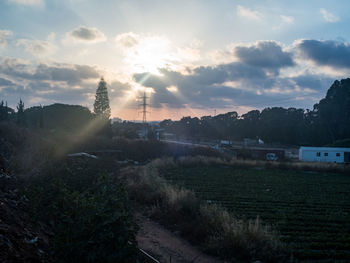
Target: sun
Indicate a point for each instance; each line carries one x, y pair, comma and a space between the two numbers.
150, 55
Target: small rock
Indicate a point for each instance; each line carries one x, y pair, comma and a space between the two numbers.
32, 241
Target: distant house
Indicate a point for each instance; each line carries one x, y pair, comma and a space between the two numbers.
324, 154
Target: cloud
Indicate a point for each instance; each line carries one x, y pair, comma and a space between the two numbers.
328, 16
47, 83
248, 13
37, 47
127, 40
172, 88
149, 53
27, 2
5, 82
71, 74
287, 19
86, 35
231, 85
266, 54
4, 35
325, 53
67, 73
317, 83
118, 89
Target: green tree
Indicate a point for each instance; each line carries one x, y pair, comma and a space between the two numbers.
101, 105
3, 111
333, 113
21, 120
41, 117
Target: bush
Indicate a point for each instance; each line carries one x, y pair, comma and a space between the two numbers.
92, 224
248, 241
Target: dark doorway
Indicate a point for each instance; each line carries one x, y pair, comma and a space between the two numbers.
346, 157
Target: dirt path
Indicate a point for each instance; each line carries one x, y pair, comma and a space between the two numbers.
167, 247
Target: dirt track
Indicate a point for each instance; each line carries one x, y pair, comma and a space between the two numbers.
167, 247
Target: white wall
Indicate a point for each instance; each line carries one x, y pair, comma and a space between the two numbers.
309, 154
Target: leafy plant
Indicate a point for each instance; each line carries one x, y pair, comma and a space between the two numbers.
92, 223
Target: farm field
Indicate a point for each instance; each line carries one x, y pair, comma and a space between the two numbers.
310, 210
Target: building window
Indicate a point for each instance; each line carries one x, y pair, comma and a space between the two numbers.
337, 154
325, 154
318, 154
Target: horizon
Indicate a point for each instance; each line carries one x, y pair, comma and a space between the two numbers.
192, 58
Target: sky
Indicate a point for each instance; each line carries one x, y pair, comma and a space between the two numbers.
192, 58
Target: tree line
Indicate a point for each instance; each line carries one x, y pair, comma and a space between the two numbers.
70, 118
328, 123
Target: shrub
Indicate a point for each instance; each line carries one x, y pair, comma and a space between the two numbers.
92, 224
248, 241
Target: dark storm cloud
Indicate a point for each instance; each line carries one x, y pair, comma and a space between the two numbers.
326, 53
266, 54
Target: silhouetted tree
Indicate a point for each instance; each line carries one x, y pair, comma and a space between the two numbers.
102, 109
3, 111
333, 112
41, 118
21, 120
101, 105
63, 117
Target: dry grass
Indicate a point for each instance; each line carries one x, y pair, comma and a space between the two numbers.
199, 160
207, 225
246, 240
240, 163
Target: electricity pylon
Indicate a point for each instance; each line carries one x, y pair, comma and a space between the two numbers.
144, 113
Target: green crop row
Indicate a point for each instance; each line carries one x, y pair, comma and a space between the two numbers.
311, 210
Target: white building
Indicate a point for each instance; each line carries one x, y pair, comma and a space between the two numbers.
324, 154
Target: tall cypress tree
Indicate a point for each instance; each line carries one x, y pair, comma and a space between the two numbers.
101, 105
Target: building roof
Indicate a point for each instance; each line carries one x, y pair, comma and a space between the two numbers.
329, 149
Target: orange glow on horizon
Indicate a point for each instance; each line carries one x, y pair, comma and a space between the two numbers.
159, 114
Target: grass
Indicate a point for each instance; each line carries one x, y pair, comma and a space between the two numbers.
249, 163
311, 209
207, 225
